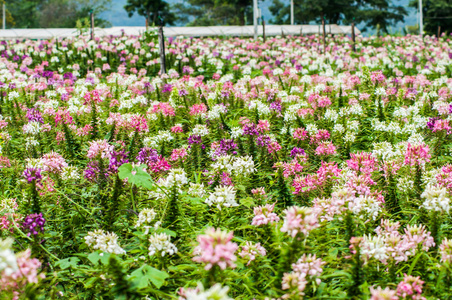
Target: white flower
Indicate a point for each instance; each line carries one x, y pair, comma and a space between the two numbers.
365, 206
436, 199
222, 196
146, 216
8, 262
200, 130
243, 166
236, 132
161, 244
104, 241
70, 172
216, 292
374, 247
196, 190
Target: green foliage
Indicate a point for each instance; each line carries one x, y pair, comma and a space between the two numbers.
435, 13
155, 11
372, 13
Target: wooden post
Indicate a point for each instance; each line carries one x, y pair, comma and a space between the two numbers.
263, 28
92, 25
147, 24
353, 37
162, 50
324, 37
439, 31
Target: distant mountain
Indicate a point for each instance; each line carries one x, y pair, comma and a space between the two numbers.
118, 16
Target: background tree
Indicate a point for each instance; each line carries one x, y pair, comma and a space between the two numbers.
370, 12
215, 12
9, 18
65, 13
25, 12
436, 13
151, 10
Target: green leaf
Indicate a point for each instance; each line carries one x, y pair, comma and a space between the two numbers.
94, 258
68, 262
248, 202
135, 175
146, 274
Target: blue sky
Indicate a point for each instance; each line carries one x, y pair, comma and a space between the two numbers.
118, 16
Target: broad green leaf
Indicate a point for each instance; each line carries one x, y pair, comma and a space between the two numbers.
135, 175
146, 274
68, 262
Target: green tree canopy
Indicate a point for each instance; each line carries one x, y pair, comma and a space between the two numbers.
151, 10
55, 13
436, 13
215, 12
372, 13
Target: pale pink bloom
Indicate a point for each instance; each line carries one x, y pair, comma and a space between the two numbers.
100, 149
28, 272
310, 266
215, 248
264, 215
445, 249
177, 128
53, 162
382, 294
198, 109
362, 162
299, 220
250, 250
296, 284
164, 108
179, 153
260, 191
441, 125
418, 235
326, 148
273, 147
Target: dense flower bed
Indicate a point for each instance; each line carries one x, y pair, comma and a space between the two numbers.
251, 170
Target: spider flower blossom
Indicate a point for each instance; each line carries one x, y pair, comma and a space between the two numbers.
382, 294
250, 250
264, 215
299, 220
160, 244
417, 154
100, 149
222, 196
436, 199
216, 292
410, 288
215, 248
445, 249
104, 241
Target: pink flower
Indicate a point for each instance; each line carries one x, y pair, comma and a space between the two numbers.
53, 162
215, 248
445, 249
177, 128
299, 220
179, 153
250, 250
198, 109
417, 154
362, 162
325, 148
264, 215
27, 272
300, 134
410, 288
100, 149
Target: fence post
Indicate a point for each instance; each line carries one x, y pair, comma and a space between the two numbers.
4, 15
353, 37
263, 28
324, 37
439, 31
92, 25
162, 49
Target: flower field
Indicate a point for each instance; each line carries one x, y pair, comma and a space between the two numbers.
251, 170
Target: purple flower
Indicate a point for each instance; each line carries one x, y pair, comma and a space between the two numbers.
250, 129
33, 224
225, 146
183, 93
276, 106
68, 75
147, 156
263, 140
194, 139
431, 121
47, 74
32, 174
167, 88
296, 151
118, 158
92, 170
34, 115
